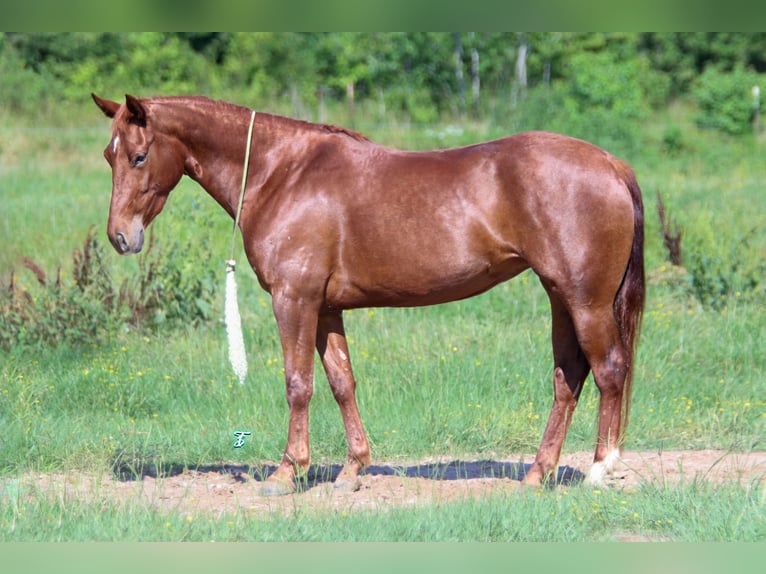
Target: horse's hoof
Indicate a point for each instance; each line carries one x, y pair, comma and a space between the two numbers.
532, 481
276, 488
347, 484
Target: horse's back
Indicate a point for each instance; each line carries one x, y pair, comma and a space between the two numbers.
429, 227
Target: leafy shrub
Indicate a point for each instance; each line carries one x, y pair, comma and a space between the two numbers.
715, 278
725, 100
144, 62
722, 268
169, 291
605, 99
57, 311
21, 89
171, 288
716, 267
602, 100
672, 141
415, 104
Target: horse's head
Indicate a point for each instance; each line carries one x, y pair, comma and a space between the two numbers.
146, 166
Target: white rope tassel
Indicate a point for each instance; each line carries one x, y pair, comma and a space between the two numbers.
237, 355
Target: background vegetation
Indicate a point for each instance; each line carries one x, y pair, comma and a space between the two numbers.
111, 363
415, 76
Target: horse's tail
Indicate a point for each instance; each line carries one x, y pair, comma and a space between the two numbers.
630, 299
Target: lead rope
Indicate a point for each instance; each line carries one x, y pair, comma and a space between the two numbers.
237, 355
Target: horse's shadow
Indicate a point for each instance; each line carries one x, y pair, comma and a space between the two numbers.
323, 473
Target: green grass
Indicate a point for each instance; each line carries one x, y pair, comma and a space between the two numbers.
466, 379
692, 512
424, 388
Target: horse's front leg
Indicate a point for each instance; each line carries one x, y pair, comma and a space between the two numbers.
297, 322
333, 349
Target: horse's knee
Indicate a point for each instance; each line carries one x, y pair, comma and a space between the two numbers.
299, 390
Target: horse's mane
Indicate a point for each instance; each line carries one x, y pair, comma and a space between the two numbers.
322, 128
329, 128
203, 101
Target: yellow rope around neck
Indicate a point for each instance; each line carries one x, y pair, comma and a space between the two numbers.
237, 355
242, 191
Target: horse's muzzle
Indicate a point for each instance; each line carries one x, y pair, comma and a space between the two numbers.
125, 246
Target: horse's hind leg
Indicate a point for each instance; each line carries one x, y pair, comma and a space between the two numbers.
333, 349
599, 336
569, 373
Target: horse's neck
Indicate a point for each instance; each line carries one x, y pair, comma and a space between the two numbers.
216, 137
275, 141
215, 141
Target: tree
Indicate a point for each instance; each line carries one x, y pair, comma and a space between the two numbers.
273, 64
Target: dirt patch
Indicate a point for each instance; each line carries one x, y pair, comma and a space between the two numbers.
226, 488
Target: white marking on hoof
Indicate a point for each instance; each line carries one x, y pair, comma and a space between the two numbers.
596, 474
611, 459
599, 470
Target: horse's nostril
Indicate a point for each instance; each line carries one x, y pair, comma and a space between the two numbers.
122, 242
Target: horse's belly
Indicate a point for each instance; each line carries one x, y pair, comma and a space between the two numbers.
411, 286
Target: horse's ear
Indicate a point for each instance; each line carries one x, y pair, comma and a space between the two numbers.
136, 109
107, 106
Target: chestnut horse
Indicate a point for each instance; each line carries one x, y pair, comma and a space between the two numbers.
333, 221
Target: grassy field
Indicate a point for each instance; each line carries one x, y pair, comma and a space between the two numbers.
695, 512
465, 379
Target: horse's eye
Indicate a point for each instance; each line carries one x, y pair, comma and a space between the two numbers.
138, 159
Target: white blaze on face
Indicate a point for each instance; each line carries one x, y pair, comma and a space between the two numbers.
115, 142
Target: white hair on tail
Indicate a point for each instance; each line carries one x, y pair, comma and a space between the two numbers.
237, 355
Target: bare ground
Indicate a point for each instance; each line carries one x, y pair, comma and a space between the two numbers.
223, 488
